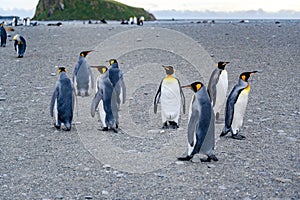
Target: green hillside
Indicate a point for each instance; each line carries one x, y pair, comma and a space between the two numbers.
87, 10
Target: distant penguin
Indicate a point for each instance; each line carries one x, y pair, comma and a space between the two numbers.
20, 45
236, 105
82, 76
105, 93
217, 87
201, 125
3, 35
62, 101
171, 97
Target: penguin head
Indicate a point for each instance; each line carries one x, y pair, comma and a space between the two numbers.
16, 37
84, 53
196, 86
101, 69
61, 69
112, 61
221, 65
169, 69
246, 75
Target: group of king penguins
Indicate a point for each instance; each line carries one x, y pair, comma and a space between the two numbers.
205, 107
109, 87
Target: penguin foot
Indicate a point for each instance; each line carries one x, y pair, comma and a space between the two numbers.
104, 129
165, 125
117, 125
209, 158
187, 158
238, 137
19, 56
114, 130
174, 125
223, 134
57, 126
67, 129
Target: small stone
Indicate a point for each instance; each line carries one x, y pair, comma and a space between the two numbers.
291, 139
283, 180
88, 197
120, 175
53, 74
18, 121
222, 187
280, 131
179, 162
104, 192
106, 166
2, 98
86, 169
59, 196
250, 120
139, 39
211, 166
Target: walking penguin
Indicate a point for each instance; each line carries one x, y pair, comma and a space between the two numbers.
201, 125
105, 93
62, 101
217, 87
171, 97
236, 105
82, 76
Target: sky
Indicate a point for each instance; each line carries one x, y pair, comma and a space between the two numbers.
13, 6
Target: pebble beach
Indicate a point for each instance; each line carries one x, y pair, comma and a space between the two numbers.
39, 162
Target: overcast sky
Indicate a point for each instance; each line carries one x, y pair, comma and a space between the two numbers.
193, 5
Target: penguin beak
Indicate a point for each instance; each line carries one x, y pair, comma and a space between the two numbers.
186, 86
226, 63
253, 73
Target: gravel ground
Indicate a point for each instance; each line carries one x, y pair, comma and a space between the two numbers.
39, 162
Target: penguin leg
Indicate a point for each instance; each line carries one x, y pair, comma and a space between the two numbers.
104, 129
187, 158
57, 124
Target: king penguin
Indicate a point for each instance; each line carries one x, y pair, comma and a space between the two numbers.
99, 84
82, 76
116, 78
217, 87
236, 106
105, 93
3, 35
20, 45
201, 125
171, 97
62, 101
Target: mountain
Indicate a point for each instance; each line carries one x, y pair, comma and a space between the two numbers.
87, 10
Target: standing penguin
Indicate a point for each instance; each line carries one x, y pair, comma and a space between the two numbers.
83, 76
236, 105
217, 87
201, 125
62, 101
3, 35
171, 97
116, 78
99, 84
20, 45
105, 93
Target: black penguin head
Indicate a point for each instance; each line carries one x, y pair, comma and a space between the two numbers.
61, 69
196, 86
101, 69
169, 69
112, 61
246, 75
221, 65
84, 53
